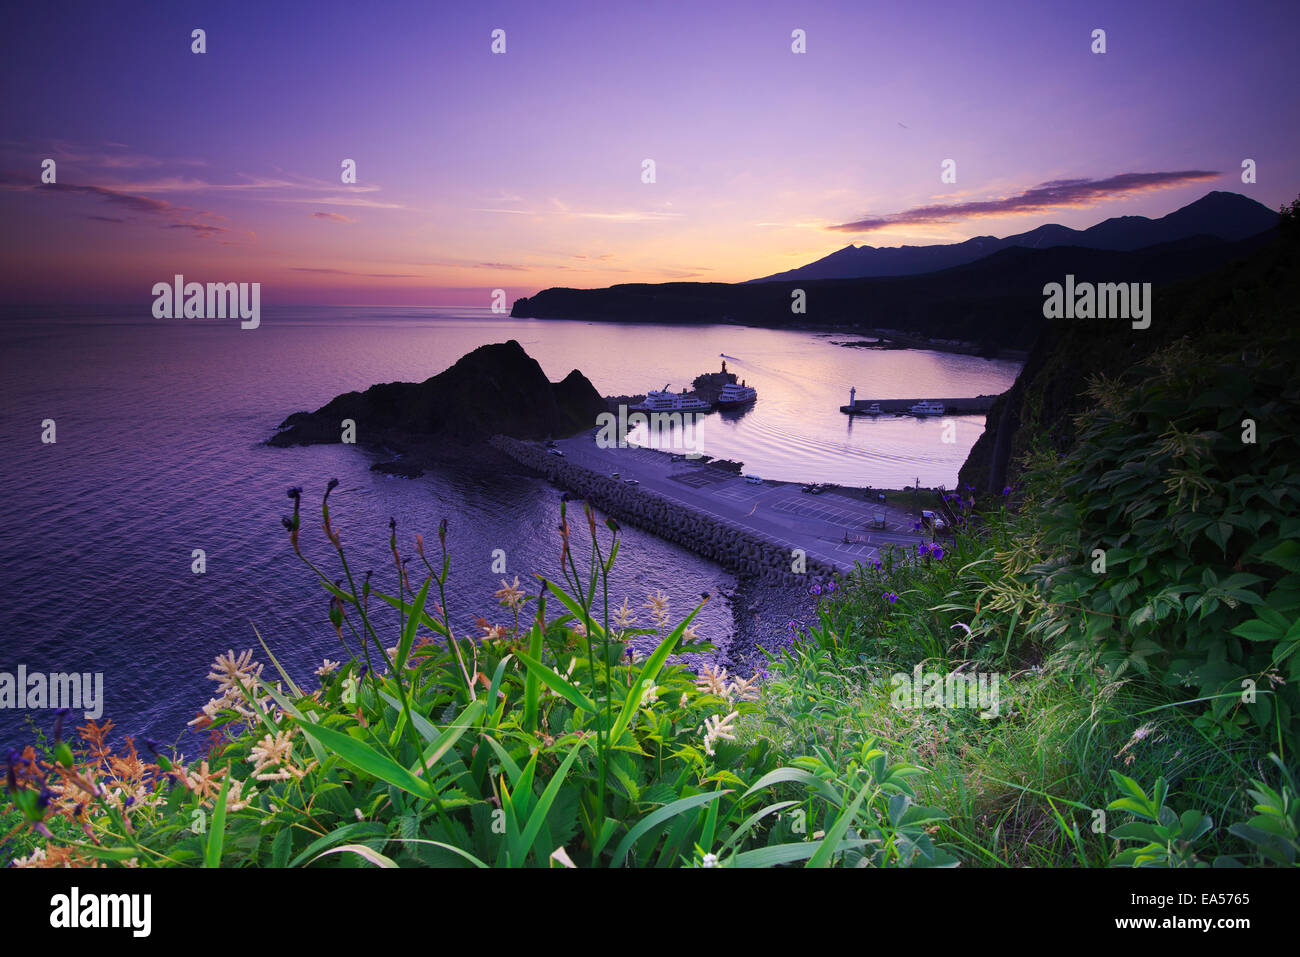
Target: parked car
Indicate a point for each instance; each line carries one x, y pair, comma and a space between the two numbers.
631, 482
753, 480
556, 452
933, 520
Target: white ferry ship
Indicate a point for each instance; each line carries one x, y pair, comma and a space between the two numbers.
665, 401
733, 395
927, 408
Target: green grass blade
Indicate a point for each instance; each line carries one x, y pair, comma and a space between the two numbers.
289, 682
596, 630
412, 626
649, 671
785, 853
532, 685
655, 818
831, 842
799, 776
424, 617
217, 833
345, 833
753, 819
366, 758
538, 816
374, 857
557, 684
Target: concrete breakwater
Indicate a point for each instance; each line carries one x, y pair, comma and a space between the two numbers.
976, 405
740, 550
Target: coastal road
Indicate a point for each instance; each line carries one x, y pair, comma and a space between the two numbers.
835, 527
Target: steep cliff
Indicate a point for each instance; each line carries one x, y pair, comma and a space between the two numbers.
1251, 299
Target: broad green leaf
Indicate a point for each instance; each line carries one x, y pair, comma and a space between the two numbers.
368, 759
558, 684
655, 818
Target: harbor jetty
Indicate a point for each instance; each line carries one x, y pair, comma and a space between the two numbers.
978, 405
741, 550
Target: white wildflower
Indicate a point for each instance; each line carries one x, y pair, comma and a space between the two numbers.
718, 728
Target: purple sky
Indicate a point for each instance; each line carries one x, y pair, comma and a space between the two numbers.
524, 170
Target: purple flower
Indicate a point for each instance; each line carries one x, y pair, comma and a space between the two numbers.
937, 552
60, 715
815, 590
890, 597
916, 526
1006, 490
830, 587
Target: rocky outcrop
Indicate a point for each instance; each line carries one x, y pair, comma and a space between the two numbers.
496, 389
737, 549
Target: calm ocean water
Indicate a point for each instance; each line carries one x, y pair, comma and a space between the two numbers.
159, 425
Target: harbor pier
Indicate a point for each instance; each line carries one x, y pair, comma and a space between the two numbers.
978, 405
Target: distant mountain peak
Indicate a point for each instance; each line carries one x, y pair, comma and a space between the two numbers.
1220, 214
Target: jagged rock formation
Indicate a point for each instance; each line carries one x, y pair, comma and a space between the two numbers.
496, 389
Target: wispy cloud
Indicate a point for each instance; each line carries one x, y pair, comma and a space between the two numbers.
334, 217
630, 216
1055, 194
558, 208
131, 201
202, 230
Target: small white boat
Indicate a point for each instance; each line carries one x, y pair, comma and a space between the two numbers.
927, 408
665, 401
733, 395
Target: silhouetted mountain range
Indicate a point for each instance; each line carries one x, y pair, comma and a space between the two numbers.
1249, 305
996, 302
1227, 216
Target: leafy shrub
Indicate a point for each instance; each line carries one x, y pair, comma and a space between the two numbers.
1197, 527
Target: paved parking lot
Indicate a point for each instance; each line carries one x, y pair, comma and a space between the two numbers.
838, 529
